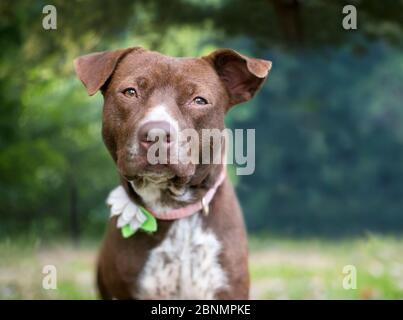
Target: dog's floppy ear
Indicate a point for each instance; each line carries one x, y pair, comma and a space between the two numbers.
94, 69
241, 75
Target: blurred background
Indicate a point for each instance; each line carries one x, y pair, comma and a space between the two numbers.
328, 186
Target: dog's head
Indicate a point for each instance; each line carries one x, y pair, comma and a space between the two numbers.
145, 91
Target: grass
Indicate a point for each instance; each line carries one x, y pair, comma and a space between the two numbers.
280, 268
313, 269
21, 266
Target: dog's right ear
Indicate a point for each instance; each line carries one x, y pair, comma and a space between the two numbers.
95, 69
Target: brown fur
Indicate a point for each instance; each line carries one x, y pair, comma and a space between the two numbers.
224, 78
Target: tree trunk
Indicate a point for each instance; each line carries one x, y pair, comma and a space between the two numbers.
74, 219
289, 15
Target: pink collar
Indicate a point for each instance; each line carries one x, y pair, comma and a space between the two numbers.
192, 208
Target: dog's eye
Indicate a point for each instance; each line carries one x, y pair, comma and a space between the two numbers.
130, 92
200, 101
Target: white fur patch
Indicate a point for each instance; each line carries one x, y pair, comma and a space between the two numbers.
151, 194
182, 194
185, 265
159, 113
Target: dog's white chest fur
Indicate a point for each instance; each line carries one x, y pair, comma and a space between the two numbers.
185, 265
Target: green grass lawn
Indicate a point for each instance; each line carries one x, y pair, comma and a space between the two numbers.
280, 268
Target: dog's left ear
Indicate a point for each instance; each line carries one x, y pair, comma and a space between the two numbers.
241, 75
94, 69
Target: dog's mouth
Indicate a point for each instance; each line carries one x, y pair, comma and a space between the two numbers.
157, 184
139, 169
169, 185
157, 174
159, 178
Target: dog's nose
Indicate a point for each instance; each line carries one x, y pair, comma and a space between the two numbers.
150, 133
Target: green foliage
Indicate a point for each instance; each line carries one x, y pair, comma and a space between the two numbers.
329, 143
328, 121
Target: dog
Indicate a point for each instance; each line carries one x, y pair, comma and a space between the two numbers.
176, 229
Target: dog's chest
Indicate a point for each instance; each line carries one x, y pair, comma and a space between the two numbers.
185, 265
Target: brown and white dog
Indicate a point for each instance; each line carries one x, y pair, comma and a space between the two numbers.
195, 256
